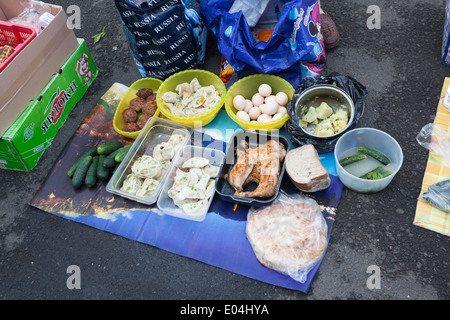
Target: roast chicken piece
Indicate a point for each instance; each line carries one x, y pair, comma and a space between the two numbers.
260, 165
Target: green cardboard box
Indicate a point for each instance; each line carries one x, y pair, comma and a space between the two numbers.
23, 144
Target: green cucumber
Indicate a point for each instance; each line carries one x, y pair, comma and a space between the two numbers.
92, 151
122, 153
377, 173
352, 159
372, 172
110, 161
91, 176
386, 174
102, 172
375, 154
108, 147
80, 172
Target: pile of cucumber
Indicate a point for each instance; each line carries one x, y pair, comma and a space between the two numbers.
96, 163
375, 174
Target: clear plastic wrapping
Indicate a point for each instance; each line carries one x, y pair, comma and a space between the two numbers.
436, 139
289, 236
32, 10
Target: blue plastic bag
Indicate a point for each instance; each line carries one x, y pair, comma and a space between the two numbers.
294, 50
446, 36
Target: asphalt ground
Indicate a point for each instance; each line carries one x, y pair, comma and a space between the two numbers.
400, 65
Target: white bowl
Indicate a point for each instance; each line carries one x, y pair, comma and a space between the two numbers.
374, 139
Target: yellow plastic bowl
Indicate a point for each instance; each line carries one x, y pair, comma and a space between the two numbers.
205, 78
247, 87
130, 94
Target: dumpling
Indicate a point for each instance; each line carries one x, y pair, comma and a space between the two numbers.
148, 187
210, 170
195, 162
170, 97
195, 85
184, 179
196, 208
163, 152
202, 183
191, 193
175, 140
183, 90
148, 167
131, 184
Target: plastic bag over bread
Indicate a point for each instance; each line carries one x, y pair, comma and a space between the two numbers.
289, 236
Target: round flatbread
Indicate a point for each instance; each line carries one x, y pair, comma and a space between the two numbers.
288, 236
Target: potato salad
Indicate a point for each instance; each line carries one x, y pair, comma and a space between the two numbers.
327, 121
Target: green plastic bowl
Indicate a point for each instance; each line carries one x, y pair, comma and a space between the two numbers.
205, 78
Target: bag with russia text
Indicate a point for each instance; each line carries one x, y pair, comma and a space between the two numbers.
165, 36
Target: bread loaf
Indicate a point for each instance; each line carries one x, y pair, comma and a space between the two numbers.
305, 170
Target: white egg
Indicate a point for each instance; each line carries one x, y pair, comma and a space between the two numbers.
270, 98
239, 102
282, 98
257, 99
248, 105
254, 113
270, 108
264, 118
277, 116
265, 90
282, 110
243, 115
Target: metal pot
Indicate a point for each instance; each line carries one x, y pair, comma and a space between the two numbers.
325, 92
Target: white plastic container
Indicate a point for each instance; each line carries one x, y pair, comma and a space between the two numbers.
165, 203
156, 131
374, 139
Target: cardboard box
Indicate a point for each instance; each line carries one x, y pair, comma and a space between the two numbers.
23, 144
34, 66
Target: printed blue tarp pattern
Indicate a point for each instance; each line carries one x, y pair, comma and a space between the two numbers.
220, 240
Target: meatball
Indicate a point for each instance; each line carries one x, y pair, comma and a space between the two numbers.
144, 93
131, 127
129, 115
149, 108
151, 97
136, 104
143, 120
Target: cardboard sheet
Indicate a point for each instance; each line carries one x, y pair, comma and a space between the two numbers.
219, 240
